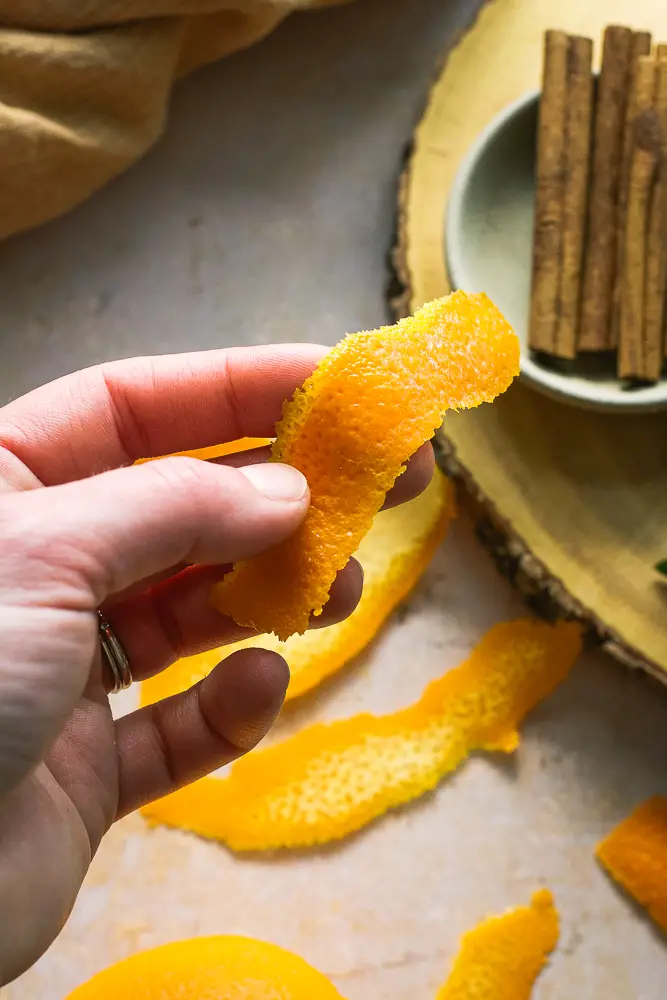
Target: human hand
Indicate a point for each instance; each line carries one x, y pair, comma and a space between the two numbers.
80, 530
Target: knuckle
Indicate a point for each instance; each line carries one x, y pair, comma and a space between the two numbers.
22, 534
169, 625
38, 553
163, 747
181, 474
202, 490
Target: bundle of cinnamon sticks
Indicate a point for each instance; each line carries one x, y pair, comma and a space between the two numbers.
600, 241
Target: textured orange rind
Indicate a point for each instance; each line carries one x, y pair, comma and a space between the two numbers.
212, 968
328, 781
394, 554
350, 429
502, 957
635, 855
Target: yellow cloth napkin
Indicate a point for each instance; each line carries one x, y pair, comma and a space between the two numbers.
85, 85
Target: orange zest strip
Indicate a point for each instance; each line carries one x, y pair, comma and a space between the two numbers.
502, 957
393, 554
216, 450
210, 968
329, 780
635, 855
350, 429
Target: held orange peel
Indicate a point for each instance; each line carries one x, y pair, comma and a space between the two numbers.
503, 956
328, 781
393, 554
211, 968
370, 404
499, 960
635, 855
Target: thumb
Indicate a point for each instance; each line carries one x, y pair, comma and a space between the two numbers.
81, 542
67, 548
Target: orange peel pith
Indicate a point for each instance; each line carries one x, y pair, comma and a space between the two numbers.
635, 855
393, 554
329, 780
213, 968
502, 957
350, 429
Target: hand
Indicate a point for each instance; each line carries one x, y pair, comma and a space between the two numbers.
80, 530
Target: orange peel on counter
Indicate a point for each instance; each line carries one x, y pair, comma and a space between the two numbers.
635, 855
394, 554
210, 968
351, 428
499, 960
330, 780
503, 956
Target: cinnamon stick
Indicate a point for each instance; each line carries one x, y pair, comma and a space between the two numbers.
578, 120
600, 259
547, 243
636, 358
642, 42
654, 286
656, 270
640, 46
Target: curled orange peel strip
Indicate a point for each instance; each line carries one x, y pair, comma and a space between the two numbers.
210, 968
635, 855
393, 554
350, 429
502, 957
329, 780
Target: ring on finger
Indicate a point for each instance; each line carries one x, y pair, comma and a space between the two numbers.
115, 655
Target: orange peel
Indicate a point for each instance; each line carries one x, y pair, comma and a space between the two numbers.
635, 855
215, 450
211, 968
328, 781
502, 957
369, 405
393, 554
499, 960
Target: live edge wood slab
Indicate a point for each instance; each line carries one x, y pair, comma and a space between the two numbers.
572, 504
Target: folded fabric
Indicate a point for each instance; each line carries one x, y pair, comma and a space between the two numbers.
85, 86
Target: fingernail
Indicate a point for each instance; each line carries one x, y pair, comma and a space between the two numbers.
276, 482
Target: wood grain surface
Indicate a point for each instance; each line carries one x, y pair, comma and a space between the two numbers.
580, 498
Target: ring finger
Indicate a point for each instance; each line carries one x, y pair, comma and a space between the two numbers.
176, 618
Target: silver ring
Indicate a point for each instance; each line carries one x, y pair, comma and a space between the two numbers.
115, 656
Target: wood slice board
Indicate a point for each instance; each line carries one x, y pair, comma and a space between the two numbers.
572, 504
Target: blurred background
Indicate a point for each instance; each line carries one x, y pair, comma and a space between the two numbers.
264, 214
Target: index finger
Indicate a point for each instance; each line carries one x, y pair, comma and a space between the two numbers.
112, 414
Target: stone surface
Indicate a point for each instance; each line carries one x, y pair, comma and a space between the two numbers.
270, 198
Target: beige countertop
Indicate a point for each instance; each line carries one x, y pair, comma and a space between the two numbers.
264, 215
